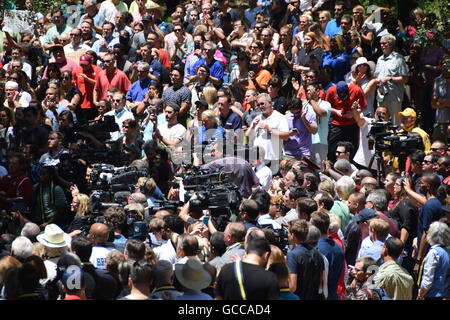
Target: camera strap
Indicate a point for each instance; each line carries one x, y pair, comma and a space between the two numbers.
240, 278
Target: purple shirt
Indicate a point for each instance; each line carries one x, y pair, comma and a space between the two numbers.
300, 144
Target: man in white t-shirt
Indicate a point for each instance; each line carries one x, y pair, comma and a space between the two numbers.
322, 109
120, 114
363, 155
171, 133
268, 129
262, 171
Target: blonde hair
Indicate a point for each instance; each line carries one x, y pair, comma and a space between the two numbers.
276, 256
380, 227
210, 94
315, 39
210, 114
6, 263
326, 13
85, 204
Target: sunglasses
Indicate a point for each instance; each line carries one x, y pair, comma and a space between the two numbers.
117, 100
436, 149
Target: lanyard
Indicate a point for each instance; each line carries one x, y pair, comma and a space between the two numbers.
240, 276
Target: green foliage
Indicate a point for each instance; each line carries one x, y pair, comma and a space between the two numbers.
435, 28
391, 4
45, 6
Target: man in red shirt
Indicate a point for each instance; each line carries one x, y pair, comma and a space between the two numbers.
109, 77
343, 97
15, 186
85, 78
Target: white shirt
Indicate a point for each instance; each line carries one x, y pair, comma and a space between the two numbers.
175, 132
120, 118
108, 10
363, 154
68, 48
264, 175
166, 252
98, 256
271, 143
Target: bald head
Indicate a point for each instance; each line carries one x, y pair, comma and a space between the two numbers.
99, 233
369, 180
162, 213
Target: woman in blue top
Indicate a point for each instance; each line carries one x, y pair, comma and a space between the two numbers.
337, 58
210, 131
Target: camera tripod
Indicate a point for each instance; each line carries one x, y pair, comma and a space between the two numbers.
378, 156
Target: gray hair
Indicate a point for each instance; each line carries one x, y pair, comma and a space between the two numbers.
211, 44
343, 165
378, 198
313, 235
21, 248
12, 84
345, 186
439, 233
265, 97
143, 64
389, 38
30, 230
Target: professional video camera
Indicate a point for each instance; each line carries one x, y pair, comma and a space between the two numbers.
101, 156
111, 185
387, 138
100, 129
215, 191
105, 176
169, 205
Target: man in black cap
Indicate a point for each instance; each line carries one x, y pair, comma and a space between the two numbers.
343, 98
356, 230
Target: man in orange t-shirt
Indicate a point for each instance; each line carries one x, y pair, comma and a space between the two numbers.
85, 78
258, 77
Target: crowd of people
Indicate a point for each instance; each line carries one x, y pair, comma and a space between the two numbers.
330, 119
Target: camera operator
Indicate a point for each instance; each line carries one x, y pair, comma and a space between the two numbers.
161, 168
408, 119
243, 174
116, 217
365, 151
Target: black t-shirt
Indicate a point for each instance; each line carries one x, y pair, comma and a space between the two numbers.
406, 215
307, 263
259, 284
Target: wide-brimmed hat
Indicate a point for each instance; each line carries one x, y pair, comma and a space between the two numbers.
54, 237
362, 60
192, 275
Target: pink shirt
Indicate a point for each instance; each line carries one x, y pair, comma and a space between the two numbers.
69, 65
119, 80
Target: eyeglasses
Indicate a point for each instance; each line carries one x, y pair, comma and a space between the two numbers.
13, 78
53, 138
426, 161
176, 30
142, 71
260, 104
117, 100
339, 152
344, 23
436, 149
